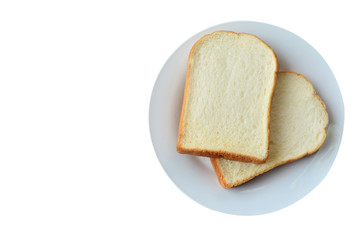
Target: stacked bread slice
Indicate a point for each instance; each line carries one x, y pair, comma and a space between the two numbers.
297, 128
228, 91
244, 114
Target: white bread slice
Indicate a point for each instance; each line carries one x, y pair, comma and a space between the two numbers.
298, 127
229, 86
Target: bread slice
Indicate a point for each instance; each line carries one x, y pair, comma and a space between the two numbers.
228, 91
298, 127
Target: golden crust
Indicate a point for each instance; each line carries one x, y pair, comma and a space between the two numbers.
220, 176
216, 165
220, 154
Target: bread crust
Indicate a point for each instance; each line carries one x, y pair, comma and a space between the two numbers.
218, 172
215, 161
223, 154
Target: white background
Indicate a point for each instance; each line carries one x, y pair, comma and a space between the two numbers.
76, 159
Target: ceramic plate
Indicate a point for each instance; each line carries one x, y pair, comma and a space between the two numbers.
275, 189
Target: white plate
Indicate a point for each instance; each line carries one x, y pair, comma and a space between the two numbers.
271, 191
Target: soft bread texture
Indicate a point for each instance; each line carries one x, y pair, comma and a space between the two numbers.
229, 86
298, 127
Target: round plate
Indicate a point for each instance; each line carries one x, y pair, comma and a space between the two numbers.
275, 189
